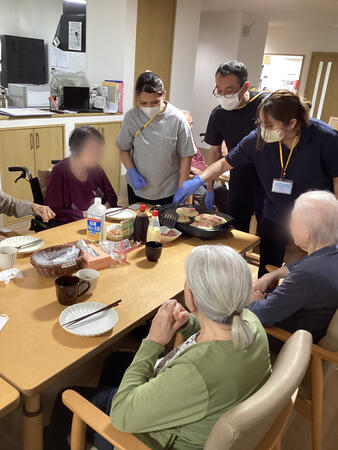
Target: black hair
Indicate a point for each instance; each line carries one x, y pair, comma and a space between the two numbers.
80, 135
284, 105
149, 82
233, 68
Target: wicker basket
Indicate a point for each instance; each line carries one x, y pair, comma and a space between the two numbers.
59, 269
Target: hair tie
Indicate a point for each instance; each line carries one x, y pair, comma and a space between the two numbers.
235, 313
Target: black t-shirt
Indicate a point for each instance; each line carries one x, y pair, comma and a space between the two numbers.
233, 126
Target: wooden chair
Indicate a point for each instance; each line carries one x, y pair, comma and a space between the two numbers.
324, 357
9, 398
257, 423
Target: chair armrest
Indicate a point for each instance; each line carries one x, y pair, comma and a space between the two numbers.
321, 352
100, 422
271, 268
278, 333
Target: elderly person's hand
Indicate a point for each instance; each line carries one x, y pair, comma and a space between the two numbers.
166, 322
263, 283
43, 211
257, 295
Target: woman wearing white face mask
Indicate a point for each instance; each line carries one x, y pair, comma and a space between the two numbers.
155, 143
292, 154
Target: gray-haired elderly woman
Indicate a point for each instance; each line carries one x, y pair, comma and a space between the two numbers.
308, 296
173, 402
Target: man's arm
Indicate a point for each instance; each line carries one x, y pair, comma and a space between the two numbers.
215, 153
263, 283
185, 167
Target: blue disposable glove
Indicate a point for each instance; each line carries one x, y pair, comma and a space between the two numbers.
187, 189
137, 179
210, 199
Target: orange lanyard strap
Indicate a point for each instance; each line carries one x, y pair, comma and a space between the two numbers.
294, 143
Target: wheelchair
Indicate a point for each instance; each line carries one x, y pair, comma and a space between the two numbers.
36, 223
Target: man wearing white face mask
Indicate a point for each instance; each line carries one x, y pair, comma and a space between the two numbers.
231, 121
155, 143
292, 154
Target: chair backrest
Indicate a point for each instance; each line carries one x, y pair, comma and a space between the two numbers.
330, 340
244, 426
43, 177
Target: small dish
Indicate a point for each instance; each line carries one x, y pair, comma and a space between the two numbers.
123, 215
92, 326
165, 239
16, 241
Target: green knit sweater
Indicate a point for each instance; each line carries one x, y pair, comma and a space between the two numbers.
178, 408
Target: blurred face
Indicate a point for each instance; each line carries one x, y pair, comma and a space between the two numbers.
146, 100
299, 230
189, 119
91, 154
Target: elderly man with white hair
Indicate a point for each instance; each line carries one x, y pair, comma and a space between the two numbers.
308, 296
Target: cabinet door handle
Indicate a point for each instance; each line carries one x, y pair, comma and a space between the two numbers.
32, 141
37, 140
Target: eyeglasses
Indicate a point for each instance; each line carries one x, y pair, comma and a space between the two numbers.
217, 95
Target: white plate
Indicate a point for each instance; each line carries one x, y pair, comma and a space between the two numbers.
166, 239
15, 241
93, 326
123, 215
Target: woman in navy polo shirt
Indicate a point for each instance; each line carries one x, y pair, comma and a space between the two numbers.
292, 154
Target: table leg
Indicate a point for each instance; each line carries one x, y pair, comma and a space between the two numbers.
32, 424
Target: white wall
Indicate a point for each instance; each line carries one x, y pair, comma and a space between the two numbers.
218, 41
302, 40
30, 18
251, 48
188, 13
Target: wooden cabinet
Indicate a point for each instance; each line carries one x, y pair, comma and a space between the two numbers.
33, 148
111, 162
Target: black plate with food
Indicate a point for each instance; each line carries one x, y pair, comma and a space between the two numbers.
194, 220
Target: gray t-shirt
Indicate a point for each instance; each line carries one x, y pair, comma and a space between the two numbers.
157, 150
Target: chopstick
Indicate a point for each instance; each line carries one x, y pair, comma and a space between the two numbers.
79, 319
117, 211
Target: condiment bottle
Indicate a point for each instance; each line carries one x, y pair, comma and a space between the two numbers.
154, 230
141, 225
95, 222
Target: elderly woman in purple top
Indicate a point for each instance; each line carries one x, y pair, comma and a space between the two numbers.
76, 181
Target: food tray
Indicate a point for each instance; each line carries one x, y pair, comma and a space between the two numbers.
198, 232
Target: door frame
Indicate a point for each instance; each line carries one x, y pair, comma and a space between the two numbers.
291, 54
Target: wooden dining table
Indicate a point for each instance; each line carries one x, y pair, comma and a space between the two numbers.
35, 350
9, 398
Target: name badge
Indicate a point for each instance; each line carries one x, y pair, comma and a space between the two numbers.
280, 186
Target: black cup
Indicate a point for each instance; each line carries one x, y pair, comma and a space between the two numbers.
153, 250
68, 289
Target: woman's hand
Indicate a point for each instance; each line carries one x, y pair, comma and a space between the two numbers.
257, 295
263, 283
168, 320
43, 211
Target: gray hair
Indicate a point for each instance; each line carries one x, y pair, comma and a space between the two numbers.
221, 283
319, 211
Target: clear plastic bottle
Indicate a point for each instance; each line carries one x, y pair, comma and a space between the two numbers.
154, 230
141, 225
96, 221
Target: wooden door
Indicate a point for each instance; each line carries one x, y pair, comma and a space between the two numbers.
322, 85
17, 149
49, 145
154, 38
111, 161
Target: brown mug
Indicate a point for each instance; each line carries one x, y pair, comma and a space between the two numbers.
68, 289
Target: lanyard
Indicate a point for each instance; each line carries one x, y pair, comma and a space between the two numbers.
283, 172
251, 100
148, 123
